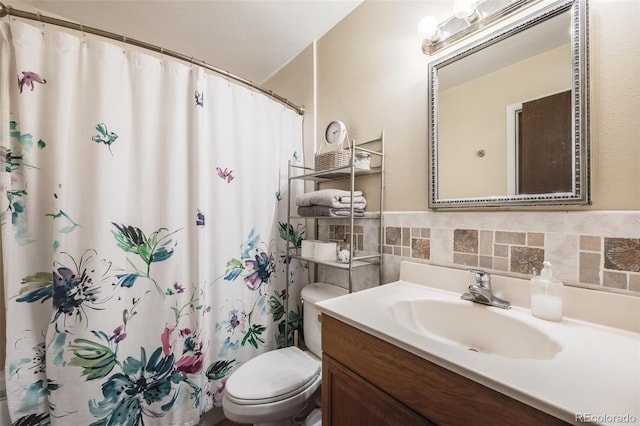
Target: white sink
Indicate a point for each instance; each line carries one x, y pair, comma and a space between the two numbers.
475, 327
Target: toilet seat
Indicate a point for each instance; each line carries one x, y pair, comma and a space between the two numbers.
272, 386
273, 376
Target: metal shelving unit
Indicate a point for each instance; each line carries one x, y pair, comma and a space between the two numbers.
352, 173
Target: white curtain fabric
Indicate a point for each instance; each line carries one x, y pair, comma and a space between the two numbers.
143, 230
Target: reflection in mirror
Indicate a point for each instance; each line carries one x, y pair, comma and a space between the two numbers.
508, 115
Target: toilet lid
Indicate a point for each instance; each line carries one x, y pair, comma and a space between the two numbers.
272, 374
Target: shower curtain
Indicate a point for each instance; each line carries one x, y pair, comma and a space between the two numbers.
143, 230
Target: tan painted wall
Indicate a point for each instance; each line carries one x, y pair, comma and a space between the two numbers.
3, 334
372, 75
295, 81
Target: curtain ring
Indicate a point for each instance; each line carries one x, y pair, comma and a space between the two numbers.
41, 23
84, 35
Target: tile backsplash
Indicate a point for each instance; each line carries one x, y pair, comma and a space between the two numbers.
598, 249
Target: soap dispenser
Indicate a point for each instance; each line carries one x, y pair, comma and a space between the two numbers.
546, 295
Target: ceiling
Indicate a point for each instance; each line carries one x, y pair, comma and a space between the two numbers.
250, 38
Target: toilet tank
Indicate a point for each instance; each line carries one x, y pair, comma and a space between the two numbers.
312, 294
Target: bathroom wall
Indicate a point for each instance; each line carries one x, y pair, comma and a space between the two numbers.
371, 74
3, 312
296, 81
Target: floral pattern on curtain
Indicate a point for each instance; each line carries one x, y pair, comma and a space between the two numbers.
143, 231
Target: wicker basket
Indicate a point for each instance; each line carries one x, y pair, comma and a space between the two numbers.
332, 159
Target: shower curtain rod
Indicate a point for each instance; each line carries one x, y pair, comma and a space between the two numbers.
11, 11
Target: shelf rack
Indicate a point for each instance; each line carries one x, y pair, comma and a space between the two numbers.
350, 172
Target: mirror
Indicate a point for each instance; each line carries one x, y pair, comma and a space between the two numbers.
509, 115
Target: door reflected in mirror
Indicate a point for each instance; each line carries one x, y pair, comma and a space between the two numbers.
543, 146
508, 115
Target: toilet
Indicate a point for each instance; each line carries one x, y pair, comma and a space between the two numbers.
282, 387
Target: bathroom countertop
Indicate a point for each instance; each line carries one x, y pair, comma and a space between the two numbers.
595, 377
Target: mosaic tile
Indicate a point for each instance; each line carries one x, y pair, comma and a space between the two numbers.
406, 237
590, 243
535, 239
485, 243
501, 263
590, 268
525, 260
420, 248
614, 280
486, 262
511, 237
465, 259
465, 241
622, 254
393, 235
501, 250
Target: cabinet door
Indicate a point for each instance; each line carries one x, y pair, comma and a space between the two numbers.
349, 400
434, 392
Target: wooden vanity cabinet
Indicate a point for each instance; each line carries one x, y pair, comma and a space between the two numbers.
367, 381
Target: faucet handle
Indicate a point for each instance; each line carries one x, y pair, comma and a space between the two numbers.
482, 278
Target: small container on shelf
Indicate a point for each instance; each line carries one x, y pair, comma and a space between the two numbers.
344, 252
307, 248
325, 250
363, 160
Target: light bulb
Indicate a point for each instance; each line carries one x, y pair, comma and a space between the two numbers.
428, 28
465, 9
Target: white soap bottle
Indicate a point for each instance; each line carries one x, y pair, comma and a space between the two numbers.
546, 295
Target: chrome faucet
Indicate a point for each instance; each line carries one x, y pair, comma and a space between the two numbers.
480, 292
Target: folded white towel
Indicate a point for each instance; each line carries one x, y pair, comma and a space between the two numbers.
319, 211
347, 200
331, 198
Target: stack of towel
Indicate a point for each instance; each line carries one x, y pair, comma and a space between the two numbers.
330, 202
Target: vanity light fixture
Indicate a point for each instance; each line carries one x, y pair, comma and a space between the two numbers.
468, 17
